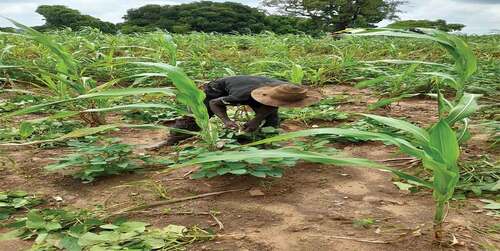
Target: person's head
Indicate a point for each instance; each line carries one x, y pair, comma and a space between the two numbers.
286, 95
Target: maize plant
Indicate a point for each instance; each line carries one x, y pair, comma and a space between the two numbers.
188, 94
454, 76
82, 96
437, 147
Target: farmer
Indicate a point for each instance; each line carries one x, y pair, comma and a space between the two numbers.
263, 95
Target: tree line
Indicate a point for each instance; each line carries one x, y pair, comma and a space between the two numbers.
295, 16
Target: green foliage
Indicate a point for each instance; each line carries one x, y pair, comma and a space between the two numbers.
338, 15
189, 95
59, 16
44, 130
204, 16
54, 229
93, 161
480, 176
325, 110
81, 93
134, 235
15, 200
465, 63
363, 223
289, 24
439, 24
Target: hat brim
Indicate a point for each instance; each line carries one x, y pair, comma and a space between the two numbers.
262, 95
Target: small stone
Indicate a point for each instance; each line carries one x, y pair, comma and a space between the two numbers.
70, 197
58, 198
256, 192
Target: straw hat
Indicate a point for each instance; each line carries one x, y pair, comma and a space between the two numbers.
286, 95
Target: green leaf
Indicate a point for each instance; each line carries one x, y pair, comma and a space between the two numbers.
259, 174
466, 106
131, 107
492, 205
133, 226
420, 134
127, 92
238, 171
35, 220
444, 140
70, 243
26, 129
51, 226
403, 186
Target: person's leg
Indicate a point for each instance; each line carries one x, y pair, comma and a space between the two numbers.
206, 102
272, 120
185, 123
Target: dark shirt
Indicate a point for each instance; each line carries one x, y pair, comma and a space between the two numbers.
237, 90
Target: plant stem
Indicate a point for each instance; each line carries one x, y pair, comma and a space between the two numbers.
438, 220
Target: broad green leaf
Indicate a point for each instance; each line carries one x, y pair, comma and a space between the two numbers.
35, 220
490, 204
405, 146
131, 107
26, 129
238, 171
420, 134
70, 243
403, 186
466, 106
400, 61
127, 92
444, 140
133, 226
286, 153
444, 183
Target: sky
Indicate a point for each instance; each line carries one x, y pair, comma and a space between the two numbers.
479, 16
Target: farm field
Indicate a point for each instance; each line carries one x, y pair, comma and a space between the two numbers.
100, 101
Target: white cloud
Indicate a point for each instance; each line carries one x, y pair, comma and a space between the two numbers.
479, 16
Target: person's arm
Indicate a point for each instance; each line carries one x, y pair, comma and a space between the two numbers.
260, 114
218, 106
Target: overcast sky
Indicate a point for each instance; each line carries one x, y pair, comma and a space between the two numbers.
479, 16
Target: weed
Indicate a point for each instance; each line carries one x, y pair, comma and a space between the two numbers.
15, 200
93, 161
82, 230
363, 223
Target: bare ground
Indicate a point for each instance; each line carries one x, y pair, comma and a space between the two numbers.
311, 208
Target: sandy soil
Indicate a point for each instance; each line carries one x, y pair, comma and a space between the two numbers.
311, 208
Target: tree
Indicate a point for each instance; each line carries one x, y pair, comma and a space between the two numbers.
438, 24
337, 15
7, 29
289, 24
59, 16
202, 16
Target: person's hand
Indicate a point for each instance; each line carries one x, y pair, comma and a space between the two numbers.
250, 126
230, 124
